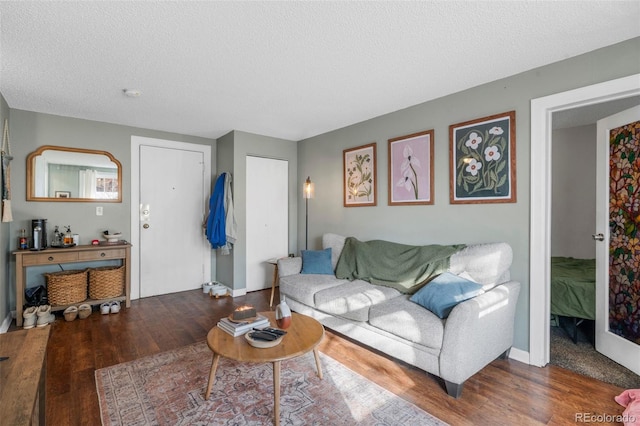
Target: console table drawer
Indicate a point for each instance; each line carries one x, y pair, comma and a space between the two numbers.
45, 258
102, 254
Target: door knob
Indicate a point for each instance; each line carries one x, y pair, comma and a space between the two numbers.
145, 226
598, 237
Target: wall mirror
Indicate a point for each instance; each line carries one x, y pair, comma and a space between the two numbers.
56, 173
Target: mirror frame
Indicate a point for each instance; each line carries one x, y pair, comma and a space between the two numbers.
30, 170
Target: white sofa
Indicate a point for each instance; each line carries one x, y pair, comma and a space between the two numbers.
476, 332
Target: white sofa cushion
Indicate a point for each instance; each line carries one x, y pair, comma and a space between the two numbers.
336, 243
408, 320
302, 287
352, 299
487, 264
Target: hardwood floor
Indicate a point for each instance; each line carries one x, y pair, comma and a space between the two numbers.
506, 392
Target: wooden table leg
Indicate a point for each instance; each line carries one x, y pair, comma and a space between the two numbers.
20, 286
276, 392
316, 354
212, 375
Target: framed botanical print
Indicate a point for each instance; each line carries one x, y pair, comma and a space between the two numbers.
359, 176
483, 160
411, 169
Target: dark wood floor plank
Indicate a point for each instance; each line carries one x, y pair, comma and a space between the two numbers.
506, 392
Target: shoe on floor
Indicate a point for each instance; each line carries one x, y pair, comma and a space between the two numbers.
104, 308
115, 307
29, 317
45, 317
84, 310
71, 313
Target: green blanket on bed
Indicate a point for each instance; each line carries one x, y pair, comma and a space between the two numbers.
403, 267
573, 287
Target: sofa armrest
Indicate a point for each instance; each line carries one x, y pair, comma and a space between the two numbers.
289, 266
478, 331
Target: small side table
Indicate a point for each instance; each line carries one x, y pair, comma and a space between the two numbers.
274, 262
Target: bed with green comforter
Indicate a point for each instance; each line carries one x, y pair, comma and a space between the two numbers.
573, 287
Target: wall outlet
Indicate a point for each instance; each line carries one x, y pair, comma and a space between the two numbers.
99, 211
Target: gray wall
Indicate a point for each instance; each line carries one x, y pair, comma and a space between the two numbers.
5, 234
29, 130
224, 264
573, 203
321, 158
233, 149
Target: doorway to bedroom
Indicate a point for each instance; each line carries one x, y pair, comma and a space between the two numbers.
573, 251
572, 247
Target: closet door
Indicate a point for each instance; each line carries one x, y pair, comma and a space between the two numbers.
267, 218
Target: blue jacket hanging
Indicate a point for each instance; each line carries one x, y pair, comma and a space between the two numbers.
216, 221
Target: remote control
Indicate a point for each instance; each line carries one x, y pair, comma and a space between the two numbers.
261, 335
274, 331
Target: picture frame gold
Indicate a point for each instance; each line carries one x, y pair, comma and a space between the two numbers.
359, 176
483, 160
410, 169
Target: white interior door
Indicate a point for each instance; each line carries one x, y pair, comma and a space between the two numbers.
267, 218
173, 252
618, 250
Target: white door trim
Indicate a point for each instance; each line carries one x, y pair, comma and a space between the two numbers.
540, 228
136, 142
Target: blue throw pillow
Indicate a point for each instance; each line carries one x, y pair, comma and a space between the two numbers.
317, 262
444, 292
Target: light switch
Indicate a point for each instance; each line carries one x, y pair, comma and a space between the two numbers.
99, 211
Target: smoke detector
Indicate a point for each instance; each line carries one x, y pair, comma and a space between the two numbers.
132, 93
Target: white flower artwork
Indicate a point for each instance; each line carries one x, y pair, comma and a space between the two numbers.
483, 160
411, 169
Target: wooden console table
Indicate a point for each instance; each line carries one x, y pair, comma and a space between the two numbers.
53, 256
22, 374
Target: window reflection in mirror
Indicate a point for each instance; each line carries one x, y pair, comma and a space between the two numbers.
72, 174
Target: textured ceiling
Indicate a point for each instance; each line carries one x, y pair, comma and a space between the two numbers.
283, 69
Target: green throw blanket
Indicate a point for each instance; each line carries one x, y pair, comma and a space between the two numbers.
403, 267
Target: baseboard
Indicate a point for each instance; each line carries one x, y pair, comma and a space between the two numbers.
7, 322
238, 292
519, 355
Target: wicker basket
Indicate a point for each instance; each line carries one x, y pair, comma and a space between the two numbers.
106, 282
66, 287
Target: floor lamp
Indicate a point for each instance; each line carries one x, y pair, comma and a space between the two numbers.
307, 194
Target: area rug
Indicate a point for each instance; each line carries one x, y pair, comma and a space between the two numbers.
168, 389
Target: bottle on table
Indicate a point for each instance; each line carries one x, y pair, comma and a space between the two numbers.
68, 236
23, 243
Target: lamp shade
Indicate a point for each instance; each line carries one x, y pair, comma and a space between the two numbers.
307, 189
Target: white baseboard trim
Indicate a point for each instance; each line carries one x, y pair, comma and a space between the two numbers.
519, 355
7, 322
238, 292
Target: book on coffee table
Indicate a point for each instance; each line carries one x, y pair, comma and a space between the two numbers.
239, 328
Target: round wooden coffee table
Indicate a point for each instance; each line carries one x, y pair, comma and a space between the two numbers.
304, 335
